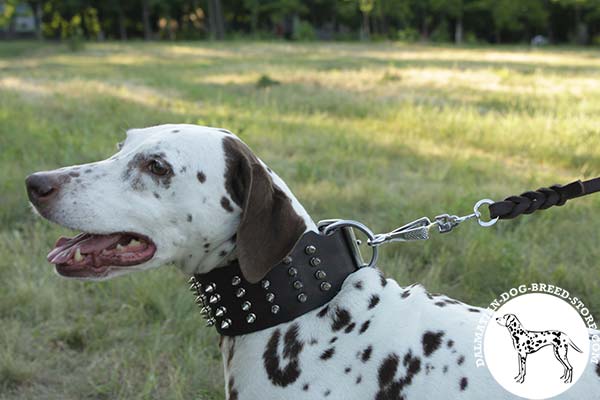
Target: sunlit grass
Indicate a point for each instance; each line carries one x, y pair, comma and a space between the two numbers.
383, 133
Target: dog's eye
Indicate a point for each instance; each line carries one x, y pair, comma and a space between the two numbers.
158, 168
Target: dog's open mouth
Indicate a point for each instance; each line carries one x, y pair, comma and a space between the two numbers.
91, 255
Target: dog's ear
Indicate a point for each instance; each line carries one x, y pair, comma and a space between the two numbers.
269, 226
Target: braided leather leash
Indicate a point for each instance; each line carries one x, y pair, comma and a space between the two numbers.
511, 207
541, 199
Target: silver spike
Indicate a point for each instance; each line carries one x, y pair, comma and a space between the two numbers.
302, 297
200, 299
315, 261
298, 285
250, 318
192, 280
265, 284
246, 305
214, 298
205, 310
292, 271
310, 249
287, 260
270, 297
320, 274
274, 309
325, 286
226, 323
236, 280
194, 287
240, 292
210, 288
220, 311
210, 322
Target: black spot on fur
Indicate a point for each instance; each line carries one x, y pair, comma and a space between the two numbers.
431, 342
440, 304
206, 245
350, 328
388, 387
463, 383
347, 370
74, 174
364, 326
450, 343
445, 369
226, 204
327, 354
474, 310
87, 171
175, 131
358, 285
373, 301
288, 374
222, 253
305, 387
233, 393
323, 312
201, 177
189, 218
327, 393
460, 360
333, 339
358, 379
405, 294
365, 355
340, 319
382, 279
156, 195
598, 369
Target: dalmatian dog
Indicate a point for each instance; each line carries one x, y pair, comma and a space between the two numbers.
198, 197
528, 342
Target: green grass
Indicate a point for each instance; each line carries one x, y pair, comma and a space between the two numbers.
382, 133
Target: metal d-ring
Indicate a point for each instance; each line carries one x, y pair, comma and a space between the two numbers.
357, 225
478, 214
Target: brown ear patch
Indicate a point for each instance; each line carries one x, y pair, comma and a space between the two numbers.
269, 226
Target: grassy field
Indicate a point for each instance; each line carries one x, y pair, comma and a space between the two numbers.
381, 133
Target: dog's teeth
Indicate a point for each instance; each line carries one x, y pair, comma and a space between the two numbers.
78, 256
133, 242
119, 247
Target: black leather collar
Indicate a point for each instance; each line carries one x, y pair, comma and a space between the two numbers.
310, 276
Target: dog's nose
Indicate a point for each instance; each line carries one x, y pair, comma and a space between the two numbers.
42, 187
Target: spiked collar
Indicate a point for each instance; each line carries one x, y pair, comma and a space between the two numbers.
307, 278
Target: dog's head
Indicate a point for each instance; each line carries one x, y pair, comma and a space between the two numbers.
187, 194
508, 320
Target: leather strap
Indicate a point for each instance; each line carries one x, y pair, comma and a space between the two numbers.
309, 277
543, 198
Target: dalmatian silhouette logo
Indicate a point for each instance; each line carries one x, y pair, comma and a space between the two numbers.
527, 342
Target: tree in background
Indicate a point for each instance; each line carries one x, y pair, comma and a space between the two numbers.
498, 21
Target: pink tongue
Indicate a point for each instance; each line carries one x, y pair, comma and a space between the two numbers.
87, 243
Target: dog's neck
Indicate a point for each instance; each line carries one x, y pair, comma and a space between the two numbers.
224, 251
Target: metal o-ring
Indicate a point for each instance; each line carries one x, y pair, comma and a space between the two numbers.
361, 227
478, 214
